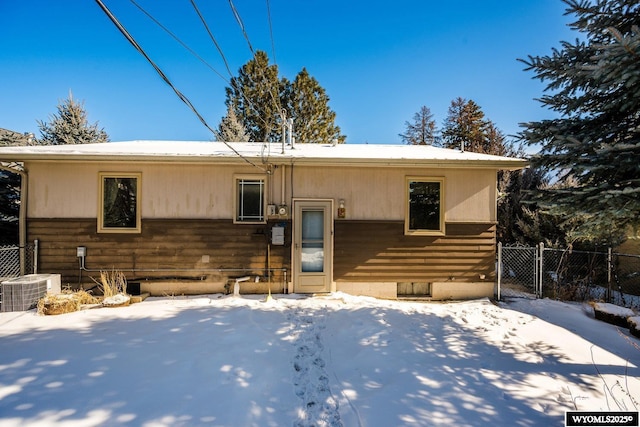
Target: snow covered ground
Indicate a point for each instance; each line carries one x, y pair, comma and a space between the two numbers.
325, 361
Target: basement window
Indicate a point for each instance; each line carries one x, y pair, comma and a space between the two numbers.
249, 200
424, 212
119, 210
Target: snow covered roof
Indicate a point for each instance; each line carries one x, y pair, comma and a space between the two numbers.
217, 152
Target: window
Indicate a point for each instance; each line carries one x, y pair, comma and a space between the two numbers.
425, 209
119, 210
250, 200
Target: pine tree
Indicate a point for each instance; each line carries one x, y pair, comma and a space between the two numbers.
594, 86
496, 143
259, 98
70, 126
231, 128
465, 124
423, 129
255, 95
308, 105
521, 222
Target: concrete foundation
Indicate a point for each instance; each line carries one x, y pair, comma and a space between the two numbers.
387, 290
461, 290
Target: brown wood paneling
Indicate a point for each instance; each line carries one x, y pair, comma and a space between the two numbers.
172, 247
369, 251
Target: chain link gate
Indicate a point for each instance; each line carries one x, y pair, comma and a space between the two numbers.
517, 271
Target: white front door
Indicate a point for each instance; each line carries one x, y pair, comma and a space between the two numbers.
312, 245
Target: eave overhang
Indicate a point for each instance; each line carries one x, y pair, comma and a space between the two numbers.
256, 154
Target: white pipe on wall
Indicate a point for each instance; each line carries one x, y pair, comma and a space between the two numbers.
282, 180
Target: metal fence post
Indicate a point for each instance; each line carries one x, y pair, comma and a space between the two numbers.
540, 269
536, 266
499, 267
609, 266
35, 256
22, 259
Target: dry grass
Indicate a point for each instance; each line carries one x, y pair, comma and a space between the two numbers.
112, 283
85, 297
66, 302
113, 286
58, 304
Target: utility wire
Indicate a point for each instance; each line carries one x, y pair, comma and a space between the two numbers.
194, 53
241, 24
204, 22
275, 99
236, 14
182, 97
231, 83
273, 45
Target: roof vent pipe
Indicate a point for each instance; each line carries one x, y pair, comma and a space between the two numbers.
462, 145
283, 114
290, 132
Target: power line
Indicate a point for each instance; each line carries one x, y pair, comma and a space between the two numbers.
241, 24
232, 83
236, 14
194, 53
273, 45
182, 97
204, 22
175, 37
273, 51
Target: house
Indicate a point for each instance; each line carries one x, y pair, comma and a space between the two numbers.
195, 217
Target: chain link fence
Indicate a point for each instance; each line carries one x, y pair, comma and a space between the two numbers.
569, 275
626, 280
574, 275
18, 260
518, 270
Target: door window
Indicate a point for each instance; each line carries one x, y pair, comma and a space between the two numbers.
312, 241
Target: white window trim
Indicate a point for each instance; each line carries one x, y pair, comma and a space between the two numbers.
407, 209
131, 230
236, 179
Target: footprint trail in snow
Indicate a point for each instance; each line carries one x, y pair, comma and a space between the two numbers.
310, 379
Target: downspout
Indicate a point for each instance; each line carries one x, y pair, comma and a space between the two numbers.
291, 182
282, 184
22, 222
283, 196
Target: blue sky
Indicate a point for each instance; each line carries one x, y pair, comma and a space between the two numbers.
379, 61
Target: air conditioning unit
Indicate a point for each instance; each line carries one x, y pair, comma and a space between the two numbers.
22, 293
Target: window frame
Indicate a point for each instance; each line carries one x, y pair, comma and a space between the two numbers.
236, 199
441, 223
102, 176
